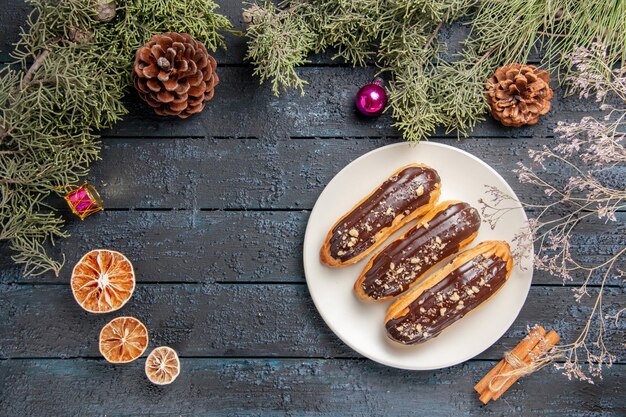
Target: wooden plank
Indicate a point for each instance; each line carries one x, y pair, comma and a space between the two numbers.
326, 110
259, 173
209, 246
269, 320
13, 14
264, 387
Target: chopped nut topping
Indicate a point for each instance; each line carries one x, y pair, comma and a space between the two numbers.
418, 327
420, 190
455, 296
389, 211
392, 266
341, 253
469, 291
415, 260
422, 310
425, 225
475, 288
459, 306
438, 239
354, 233
442, 311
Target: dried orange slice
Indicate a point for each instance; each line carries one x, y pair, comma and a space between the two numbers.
123, 339
103, 281
162, 365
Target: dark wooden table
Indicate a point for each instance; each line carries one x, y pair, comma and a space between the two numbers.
212, 212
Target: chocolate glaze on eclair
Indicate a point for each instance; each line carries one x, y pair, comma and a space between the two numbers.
407, 194
450, 293
442, 232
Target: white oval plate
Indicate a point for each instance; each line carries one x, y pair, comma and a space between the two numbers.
359, 324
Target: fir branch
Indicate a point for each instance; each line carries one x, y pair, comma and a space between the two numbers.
28, 76
73, 72
400, 36
586, 149
283, 40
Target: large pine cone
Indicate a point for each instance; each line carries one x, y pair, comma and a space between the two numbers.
519, 94
175, 74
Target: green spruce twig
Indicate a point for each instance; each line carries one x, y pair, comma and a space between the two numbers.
71, 71
401, 38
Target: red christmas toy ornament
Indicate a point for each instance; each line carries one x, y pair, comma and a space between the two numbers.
83, 200
371, 99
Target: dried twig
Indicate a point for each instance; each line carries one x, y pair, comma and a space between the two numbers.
587, 149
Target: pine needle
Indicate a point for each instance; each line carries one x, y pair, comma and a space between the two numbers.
402, 38
70, 74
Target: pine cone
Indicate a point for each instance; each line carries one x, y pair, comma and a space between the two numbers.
519, 94
175, 74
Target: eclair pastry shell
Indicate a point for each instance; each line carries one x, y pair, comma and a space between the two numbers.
441, 207
501, 249
398, 222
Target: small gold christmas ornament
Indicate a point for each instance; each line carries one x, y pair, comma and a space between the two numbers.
519, 94
175, 74
83, 200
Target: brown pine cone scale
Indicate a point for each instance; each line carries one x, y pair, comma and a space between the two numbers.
519, 94
175, 74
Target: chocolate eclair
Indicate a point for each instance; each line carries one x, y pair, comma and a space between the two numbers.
408, 193
442, 232
450, 293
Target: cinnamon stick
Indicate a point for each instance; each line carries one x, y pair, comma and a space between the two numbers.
521, 351
483, 384
551, 339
